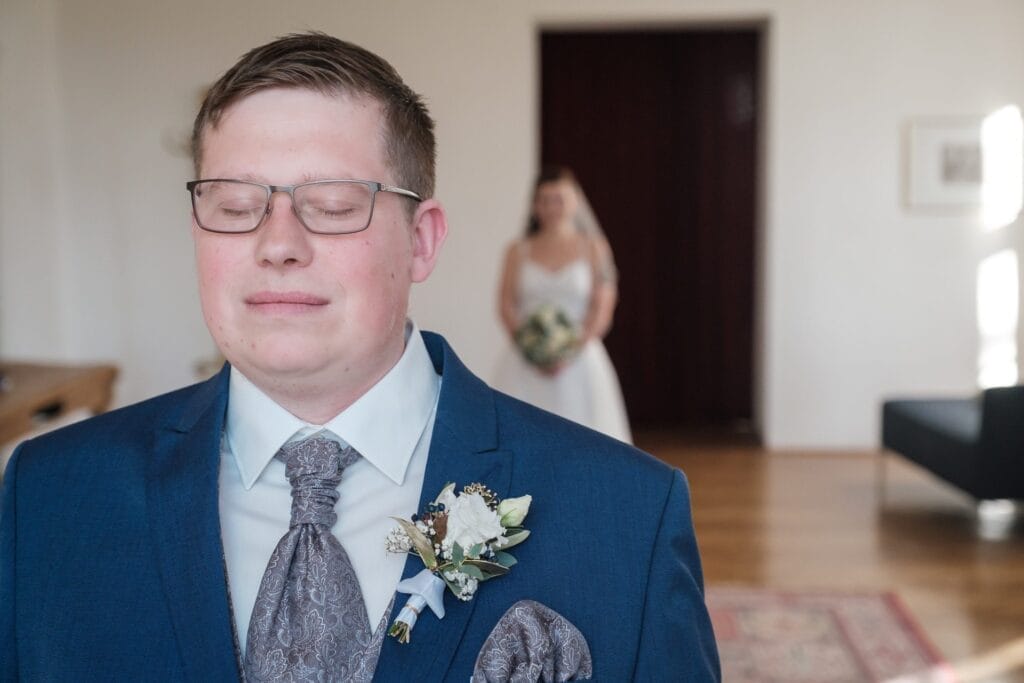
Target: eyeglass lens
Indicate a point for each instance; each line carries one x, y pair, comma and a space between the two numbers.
324, 207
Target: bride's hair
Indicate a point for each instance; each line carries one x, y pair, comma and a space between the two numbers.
548, 174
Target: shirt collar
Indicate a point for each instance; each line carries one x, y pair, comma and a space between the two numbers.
384, 424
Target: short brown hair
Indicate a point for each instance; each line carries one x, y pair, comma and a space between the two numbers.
320, 62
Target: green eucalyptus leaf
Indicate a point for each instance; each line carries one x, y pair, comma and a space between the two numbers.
452, 586
475, 550
457, 554
424, 548
491, 569
515, 538
504, 559
470, 570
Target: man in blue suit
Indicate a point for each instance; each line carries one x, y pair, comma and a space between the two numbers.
133, 546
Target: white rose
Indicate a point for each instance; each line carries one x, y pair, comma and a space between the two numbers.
512, 511
470, 521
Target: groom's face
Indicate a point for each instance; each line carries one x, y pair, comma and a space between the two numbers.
287, 306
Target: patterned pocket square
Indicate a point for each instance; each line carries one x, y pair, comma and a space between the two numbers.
532, 642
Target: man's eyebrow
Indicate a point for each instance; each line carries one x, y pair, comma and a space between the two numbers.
247, 177
310, 177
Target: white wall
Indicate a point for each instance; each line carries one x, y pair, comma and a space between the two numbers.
31, 284
865, 299
861, 299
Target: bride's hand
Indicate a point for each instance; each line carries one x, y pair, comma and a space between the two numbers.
554, 369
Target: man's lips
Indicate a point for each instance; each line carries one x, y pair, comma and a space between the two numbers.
284, 301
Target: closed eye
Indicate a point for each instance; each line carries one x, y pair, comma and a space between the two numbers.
236, 213
333, 213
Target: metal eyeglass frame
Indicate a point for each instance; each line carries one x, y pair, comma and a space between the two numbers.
373, 185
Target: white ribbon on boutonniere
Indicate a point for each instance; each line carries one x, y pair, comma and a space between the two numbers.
462, 540
425, 590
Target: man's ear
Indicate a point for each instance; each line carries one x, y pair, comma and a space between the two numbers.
428, 231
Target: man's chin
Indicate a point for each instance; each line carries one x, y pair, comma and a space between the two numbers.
280, 368
279, 363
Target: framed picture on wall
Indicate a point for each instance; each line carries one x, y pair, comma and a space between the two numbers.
944, 163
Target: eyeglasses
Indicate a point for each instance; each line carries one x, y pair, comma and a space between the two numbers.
325, 207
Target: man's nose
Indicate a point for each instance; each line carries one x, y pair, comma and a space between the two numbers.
282, 239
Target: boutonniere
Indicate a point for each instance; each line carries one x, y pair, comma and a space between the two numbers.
463, 539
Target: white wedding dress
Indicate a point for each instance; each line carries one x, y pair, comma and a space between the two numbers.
587, 389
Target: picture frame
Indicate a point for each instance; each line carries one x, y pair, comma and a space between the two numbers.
944, 163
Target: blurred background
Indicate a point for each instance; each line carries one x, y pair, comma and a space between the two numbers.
844, 293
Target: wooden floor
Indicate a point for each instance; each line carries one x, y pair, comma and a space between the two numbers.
816, 521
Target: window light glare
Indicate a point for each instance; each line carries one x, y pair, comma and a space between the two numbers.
1002, 167
997, 302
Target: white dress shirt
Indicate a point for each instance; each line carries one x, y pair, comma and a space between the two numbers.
390, 426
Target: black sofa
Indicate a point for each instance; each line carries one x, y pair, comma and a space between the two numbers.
976, 444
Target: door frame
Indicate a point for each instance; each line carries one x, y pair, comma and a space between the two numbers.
762, 232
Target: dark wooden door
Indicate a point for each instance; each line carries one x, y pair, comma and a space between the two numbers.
660, 127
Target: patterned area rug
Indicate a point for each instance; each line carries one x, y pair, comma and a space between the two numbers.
769, 636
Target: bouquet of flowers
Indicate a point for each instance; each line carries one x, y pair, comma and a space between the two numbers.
547, 337
463, 540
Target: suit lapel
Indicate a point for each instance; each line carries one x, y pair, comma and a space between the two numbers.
463, 449
184, 519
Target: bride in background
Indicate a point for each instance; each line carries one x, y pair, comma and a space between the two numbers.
563, 264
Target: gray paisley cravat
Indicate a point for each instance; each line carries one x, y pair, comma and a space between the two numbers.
309, 622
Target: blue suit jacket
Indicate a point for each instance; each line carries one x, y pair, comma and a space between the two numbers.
111, 564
